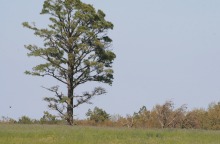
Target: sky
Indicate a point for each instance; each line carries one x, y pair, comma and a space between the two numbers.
166, 50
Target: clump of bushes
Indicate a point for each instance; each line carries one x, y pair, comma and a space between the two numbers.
98, 115
25, 120
161, 116
49, 119
8, 120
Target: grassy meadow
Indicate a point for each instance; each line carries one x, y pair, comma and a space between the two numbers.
57, 134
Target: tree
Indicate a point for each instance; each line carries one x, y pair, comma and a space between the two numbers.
168, 117
196, 118
98, 115
48, 118
127, 121
214, 116
25, 120
76, 51
142, 117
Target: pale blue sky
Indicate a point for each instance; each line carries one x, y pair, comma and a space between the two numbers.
166, 50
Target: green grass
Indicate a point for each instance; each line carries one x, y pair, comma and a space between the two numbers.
46, 134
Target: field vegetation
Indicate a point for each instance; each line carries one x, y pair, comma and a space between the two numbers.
164, 124
161, 116
61, 134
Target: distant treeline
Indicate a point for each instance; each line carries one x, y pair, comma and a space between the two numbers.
161, 116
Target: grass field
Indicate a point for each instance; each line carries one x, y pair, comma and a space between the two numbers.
46, 134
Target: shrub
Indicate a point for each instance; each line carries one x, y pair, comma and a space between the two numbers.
98, 115
25, 120
48, 119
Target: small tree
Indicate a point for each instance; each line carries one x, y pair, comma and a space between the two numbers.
98, 115
142, 117
214, 116
25, 120
48, 118
167, 116
76, 51
128, 121
197, 118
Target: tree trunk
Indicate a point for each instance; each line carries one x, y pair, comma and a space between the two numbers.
70, 90
70, 112
70, 103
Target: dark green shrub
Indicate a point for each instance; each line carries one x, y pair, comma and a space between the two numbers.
97, 115
48, 119
25, 120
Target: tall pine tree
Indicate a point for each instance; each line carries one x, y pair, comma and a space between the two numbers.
76, 51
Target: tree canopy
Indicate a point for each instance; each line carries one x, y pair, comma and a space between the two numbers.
76, 51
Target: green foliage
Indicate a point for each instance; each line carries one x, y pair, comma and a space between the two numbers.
7, 120
48, 118
25, 120
161, 116
38, 134
76, 51
98, 115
